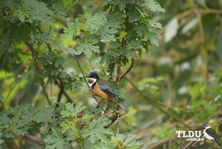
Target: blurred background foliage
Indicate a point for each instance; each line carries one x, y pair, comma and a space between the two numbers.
175, 82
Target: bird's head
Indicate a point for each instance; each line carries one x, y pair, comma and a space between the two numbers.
92, 78
205, 125
93, 75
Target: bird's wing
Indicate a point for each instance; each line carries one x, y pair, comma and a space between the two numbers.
105, 87
212, 133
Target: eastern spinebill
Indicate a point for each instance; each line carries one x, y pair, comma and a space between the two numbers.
103, 89
210, 133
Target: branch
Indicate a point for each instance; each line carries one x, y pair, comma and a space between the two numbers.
2, 56
118, 73
207, 11
60, 92
26, 91
147, 125
190, 144
45, 92
118, 126
60, 85
34, 53
67, 96
203, 50
2, 106
162, 142
113, 119
157, 104
64, 92
128, 70
49, 46
35, 57
35, 139
119, 64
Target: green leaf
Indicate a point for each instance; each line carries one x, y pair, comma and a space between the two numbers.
44, 115
153, 37
97, 131
107, 34
154, 6
69, 31
197, 90
69, 109
122, 4
23, 14
86, 48
93, 23
155, 24
128, 142
38, 11
55, 140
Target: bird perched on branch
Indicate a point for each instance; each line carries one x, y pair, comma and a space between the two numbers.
103, 89
210, 133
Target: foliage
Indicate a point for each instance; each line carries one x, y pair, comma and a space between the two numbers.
60, 127
38, 40
48, 46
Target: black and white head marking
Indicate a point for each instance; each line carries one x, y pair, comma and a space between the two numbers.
93, 78
91, 82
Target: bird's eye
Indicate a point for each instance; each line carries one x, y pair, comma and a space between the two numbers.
90, 81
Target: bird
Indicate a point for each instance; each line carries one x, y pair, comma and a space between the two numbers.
103, 89
210, 133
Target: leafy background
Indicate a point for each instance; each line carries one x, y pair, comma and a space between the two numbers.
172, 50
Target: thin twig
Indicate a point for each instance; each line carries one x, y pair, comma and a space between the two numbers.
64, 92
2, 107
2, 56
118, 126
203, 49
162, 142
45, 92
156, 104
113, 120
190, 144
147, 125
27, 90
34, 53
49, 46
35, 57
60, 92
208, 11
143, 137
60, 85
35, 139
128, 70
67, 97
118, 73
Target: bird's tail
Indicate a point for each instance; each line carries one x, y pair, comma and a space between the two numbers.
123, 107
218, 145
